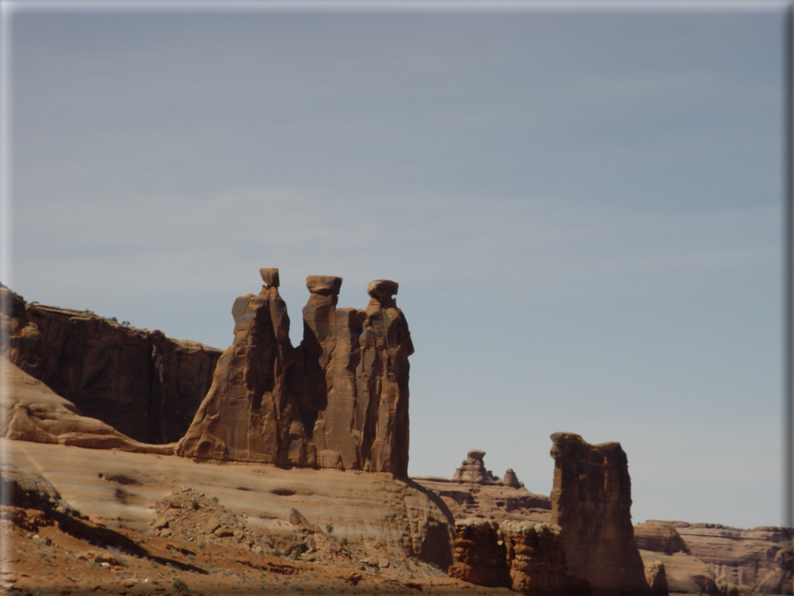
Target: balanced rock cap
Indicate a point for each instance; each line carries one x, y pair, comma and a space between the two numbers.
326, 285
382, 288
269, 276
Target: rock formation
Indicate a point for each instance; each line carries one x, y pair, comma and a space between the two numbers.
479, 554
339, 400
683, 573
494, 502
591, 501
31, 411
656, 578
474, 492
761, 559
510, 479
140, 382
472, 469
537, 560
660, 537
376, 513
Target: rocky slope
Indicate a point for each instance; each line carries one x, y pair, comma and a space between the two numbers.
122, 489
143, 384
170, 538
338, 400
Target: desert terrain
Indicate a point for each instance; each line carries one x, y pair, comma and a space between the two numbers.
137, 464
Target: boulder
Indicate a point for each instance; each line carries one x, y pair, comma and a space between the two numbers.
142, 383
591, 502
479, 554
338, 400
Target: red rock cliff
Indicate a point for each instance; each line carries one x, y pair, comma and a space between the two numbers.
339, 400
140, 382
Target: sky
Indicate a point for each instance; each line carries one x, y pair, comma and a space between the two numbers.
582, 204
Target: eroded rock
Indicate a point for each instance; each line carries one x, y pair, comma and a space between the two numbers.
761, 559
660, 537
537, 560
142, 383
472, 469
479, 554
339, 400
656, 578
591, 502
510, 479
31, 411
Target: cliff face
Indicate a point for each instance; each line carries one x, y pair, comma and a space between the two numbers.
339, 400
31, 411
140, 382
591, 501
537, 560
528, 557
480, 556
721, 558
762, 558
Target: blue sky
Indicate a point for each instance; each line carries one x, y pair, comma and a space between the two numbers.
582, 208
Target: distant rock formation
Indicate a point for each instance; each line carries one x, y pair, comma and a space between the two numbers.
472, 469
479, 554
338, 400
140, 382
660, 537
474, 492
683, 574
591, 501
537, 560
489, 501
510, 479
760, 559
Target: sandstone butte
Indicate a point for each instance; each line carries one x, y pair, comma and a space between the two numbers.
338, 400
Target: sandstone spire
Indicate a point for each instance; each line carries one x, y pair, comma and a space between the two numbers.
338, 400
591, 502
